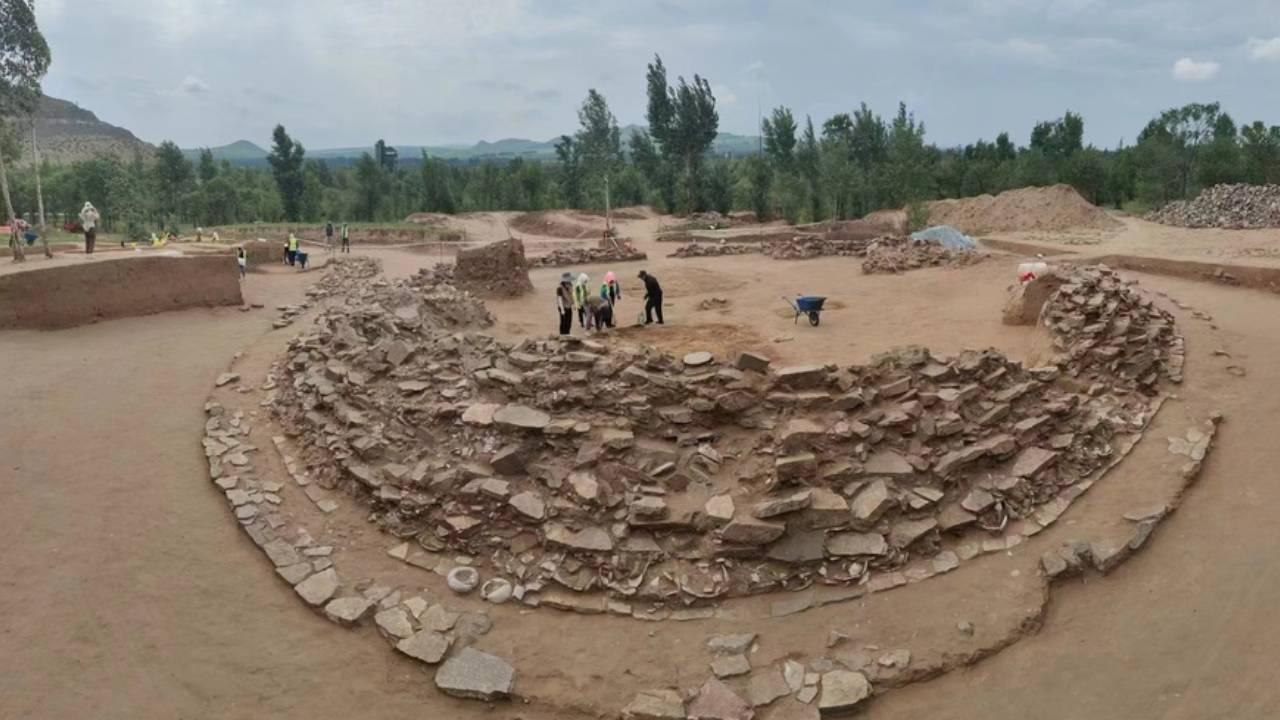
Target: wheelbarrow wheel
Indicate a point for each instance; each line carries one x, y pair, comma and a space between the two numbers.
814, 318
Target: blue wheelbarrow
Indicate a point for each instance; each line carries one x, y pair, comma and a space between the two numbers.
810, 305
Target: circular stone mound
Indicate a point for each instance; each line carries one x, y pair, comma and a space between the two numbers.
571, 466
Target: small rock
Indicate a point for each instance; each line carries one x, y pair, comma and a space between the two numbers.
394, 623
697, 359
497, 590
655, 705
752, 532
348, 610
717, 701
318, 588
226, 379
478, 675
898, 659
766, 686
842, 691
426, 645
730, 666
720, 507
752, 361
965, 627
735, 644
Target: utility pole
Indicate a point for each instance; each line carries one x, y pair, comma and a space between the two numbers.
608, 212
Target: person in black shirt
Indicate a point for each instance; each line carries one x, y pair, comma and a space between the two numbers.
652, 298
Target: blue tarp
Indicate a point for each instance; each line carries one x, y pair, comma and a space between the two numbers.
947, 237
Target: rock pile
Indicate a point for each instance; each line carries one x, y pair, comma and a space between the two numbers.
798, 247
495, 270
592, 475
1233, 207
897, 255
566, 257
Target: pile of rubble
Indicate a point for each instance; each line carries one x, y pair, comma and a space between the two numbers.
1233, 207
702, 249
495, 270
799, 247
342, 275
897, 255
566, 257
586, 474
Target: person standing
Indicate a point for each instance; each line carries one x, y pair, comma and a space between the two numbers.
611, 290
242, 260
652, 298
328, 236
580, 293
346, 239
89, 223
292, 252
564, 303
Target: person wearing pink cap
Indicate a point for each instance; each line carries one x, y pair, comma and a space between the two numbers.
611, 290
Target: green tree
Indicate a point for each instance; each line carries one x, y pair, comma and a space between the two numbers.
779, 130
600, 147
1260, 151
437, 192
569, 154
286, 160
207, 169
1171, 145
809, 166
370, 187
24, 60
173, 177
908, 176
1059, 139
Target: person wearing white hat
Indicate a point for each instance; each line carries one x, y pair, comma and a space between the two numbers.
89, 222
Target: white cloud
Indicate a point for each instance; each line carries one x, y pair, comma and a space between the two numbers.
193, 85
1019, 49
754, 66
1264, 48
1188, 70
725, 98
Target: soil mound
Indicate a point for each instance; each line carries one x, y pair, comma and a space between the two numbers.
1233, 207
898, 255
559, 225
1054, 208
494, 270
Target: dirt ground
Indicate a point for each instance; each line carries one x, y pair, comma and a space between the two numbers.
130, 593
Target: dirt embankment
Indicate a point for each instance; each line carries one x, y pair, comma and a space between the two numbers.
68, 295
1058, 207
358, 235
558, 224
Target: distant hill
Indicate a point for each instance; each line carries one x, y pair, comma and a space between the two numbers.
247, 153
67, 133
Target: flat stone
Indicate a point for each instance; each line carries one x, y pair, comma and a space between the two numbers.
698, 359
826, 510
802, 376
474, 674
736, 401
766, 686
849, 544
521, 417
480, 414
226, 379
799, 546
796, 467
616, 439
585, 486
720, 507
752, 361
734, 644
530, 505
717, 701
655, 705
887, 463
793, 674
780, 506
649, 508
730, 666
842, 691
438, 618
906, 532
317, 589
591, 539
281, 553
752, 532
898, 659
510, 460
1031, 461
426, 645
348, 610
871, 503
953, 517
296, 573
394, 622
978, 500
799, 431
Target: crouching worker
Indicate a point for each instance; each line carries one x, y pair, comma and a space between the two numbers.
600, 312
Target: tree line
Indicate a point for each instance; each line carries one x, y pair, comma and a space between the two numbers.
850, 164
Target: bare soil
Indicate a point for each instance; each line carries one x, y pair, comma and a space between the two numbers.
125, 572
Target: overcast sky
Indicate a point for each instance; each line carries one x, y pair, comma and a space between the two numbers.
433, 72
